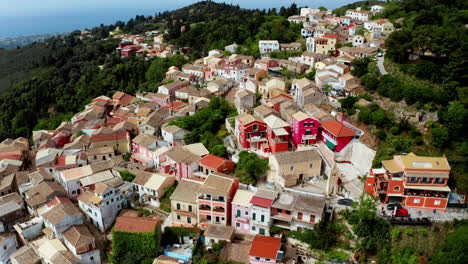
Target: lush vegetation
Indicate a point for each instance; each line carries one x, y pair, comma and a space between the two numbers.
324, 236
213, 26
207, 125
134, 247
250, 167
126, 175
165, 201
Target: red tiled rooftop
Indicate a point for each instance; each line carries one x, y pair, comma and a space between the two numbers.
213, 161
265, 247
135, 224
175, 105
338, 129
58, 200
60, 161
261, 201
109, 136
331, 36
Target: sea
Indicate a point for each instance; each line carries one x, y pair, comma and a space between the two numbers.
30, 17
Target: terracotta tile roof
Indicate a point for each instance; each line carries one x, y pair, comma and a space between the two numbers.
338, 129
265, 247
135, 224
26, 255
214, 161
186, 191
263, 202
78, 235
60, 211
58, 200
118, 135
43, 193
219, 231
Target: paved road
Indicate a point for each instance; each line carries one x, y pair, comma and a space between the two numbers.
380, 61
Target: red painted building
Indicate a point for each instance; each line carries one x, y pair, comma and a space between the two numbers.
415, 181
250, 131
305, 129
336, 135
278, 134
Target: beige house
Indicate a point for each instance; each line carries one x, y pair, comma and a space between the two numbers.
151, 186
289, 168
271, 87
245, 101
100, 154
184, 203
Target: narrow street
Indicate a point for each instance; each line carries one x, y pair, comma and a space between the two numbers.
380, 64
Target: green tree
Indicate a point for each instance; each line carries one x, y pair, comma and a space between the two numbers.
440, 137
250, 167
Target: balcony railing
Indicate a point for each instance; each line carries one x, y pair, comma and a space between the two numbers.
219, 210
427, 194
257, 139
307, 137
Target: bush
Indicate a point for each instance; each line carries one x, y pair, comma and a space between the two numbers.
381, 134
396, 233
126, 175
409, 231
134, 247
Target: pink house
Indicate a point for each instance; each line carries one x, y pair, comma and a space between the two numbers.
241, 210
143, 147
305, 129
265, 250
179, 162
265, 64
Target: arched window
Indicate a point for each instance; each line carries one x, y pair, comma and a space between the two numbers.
396, 188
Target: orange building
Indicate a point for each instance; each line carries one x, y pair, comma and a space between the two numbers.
415, 181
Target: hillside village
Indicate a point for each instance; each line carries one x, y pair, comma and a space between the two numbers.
132, 167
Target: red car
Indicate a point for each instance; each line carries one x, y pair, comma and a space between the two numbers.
402, 212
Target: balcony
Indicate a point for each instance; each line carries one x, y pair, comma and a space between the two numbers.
308, 137
257, 139
205, 197
219, 210
204, 208
430, 194
281, 217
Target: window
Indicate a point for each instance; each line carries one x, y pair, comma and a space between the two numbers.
267, 259
178, 206
237, 225
255, 127
107, 203
246, 213
238, 213
311, 166
91, 258
299, 216
112, 200
292, 168
262, 218
257, 258
437, 202
254, 216
190, 208
438, 180
189, 220
178, 217
396, 188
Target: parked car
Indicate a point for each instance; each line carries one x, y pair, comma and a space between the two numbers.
345, 201
402, 213
391, 207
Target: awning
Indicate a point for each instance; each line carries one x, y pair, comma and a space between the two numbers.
429, 188
330, 145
